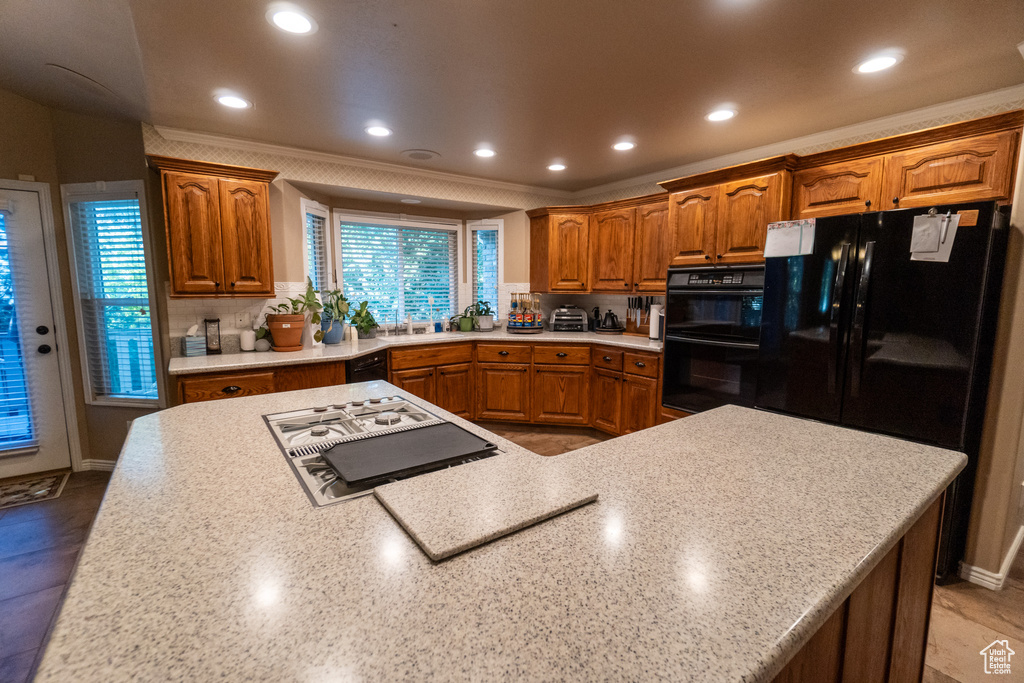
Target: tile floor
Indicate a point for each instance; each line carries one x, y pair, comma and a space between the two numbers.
39, 544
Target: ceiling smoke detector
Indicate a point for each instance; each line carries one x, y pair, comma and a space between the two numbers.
420, 154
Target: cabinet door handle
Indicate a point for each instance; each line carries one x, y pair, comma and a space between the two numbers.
607, 359
719, 256
636, 284
625, 284
707, 257
895, 200
216, 284
561, 354
232, 284
231, 389
640, 364
524, 370
502, 353
867, 204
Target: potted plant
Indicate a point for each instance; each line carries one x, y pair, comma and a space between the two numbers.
468, 319
364, 322
287, 320
332, 320
483, 315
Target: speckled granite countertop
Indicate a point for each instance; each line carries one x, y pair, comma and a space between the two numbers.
343, 351
719, 543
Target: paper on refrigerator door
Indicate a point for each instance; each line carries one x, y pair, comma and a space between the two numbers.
945, 234
790, 238
927, 234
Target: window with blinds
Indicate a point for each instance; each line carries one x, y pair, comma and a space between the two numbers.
316, 251
398, 270
114, 298
485, 266
16, 428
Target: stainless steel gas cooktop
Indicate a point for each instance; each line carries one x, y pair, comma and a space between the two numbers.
304, 435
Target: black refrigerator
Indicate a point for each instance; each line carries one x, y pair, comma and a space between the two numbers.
859, 334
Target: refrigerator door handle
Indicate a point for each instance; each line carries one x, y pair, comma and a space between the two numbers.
833, 326
859, 313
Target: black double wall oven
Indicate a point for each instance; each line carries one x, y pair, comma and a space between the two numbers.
712, 325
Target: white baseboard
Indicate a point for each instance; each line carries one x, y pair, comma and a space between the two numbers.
101, 465
991, 580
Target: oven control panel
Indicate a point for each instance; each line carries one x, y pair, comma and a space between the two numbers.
715, 279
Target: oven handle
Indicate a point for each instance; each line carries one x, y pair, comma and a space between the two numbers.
859, 314
739, 292
833, 326
711, 342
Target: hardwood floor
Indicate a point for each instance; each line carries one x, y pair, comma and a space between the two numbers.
39, 545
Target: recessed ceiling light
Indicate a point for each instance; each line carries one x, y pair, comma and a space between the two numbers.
234, 101
290, 18
624, 146
721, 115
879, 63
484, 152
410, 201
378, 131
556, 167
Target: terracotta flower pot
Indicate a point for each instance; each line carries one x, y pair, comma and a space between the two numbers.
286, 331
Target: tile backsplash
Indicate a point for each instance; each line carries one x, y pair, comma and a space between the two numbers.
184, 313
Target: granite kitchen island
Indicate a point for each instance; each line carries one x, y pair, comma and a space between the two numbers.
718, 546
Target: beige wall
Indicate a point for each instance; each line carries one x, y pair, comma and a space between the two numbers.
60, 147
517, 246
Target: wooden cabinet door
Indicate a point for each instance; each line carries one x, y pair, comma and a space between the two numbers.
418, 382
503, 392
652, 248
567, 252
835, 189
606, 410
611, 251
245, 234
639, 403
454, 384
192, 212
560, 394
966, 170
692, 216
745, 208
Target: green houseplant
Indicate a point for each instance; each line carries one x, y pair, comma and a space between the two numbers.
287, 320
332, 324
364, 322
468, 319
483, 314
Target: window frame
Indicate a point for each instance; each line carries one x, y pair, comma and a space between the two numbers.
340, 216
111, 191
486, 224
308, 206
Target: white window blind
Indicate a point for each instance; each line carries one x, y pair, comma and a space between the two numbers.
16, 428
485, 266
114, 298
397, 270
316, 251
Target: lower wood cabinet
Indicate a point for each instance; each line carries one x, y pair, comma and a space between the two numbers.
454, 389
560, 394
503, 391
640, 402
214, 386
418, 382
606, 408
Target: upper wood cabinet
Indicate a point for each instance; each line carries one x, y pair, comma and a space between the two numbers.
652, 249
959, 171
218, 228
559, 255
611, 250
835, 189
692, 216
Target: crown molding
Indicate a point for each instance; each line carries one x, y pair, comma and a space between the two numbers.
835, 135
212, 140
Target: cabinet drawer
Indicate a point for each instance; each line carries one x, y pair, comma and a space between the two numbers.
640, 364
426, 356
561, 355
503, 353
225, 386
607, 358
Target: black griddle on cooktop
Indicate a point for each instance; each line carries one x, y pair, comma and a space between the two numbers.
402, 454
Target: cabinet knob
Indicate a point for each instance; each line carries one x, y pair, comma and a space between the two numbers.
625, 284
607, 359
502, 353
524, 370
561, 354
868, 203
895, 200
216, 284
707, 257
231, 389
719, 256
232, 284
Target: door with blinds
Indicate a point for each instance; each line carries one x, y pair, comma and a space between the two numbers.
33, 428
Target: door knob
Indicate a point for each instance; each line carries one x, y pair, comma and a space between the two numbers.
42, 329
44, 349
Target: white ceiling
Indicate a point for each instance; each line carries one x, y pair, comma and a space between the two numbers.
537, 79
